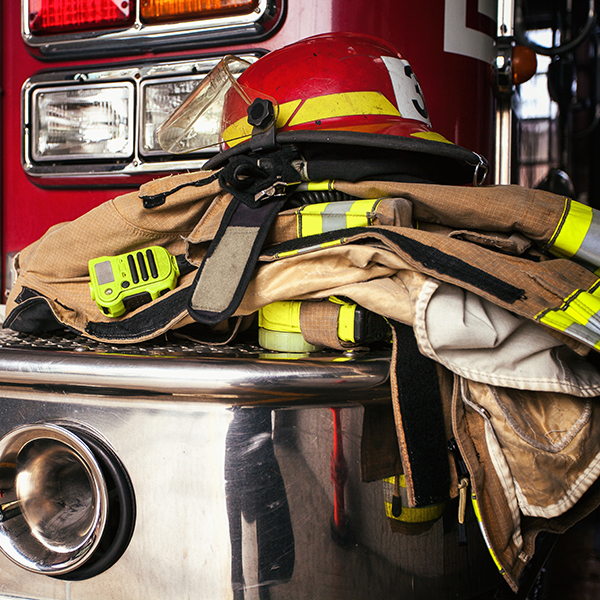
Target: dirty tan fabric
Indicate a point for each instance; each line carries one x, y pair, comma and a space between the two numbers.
319, 324
549, 441
533, 460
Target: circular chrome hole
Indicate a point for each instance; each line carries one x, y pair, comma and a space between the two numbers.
53, 507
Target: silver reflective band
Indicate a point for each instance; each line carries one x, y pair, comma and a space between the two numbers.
54, 501
589, 251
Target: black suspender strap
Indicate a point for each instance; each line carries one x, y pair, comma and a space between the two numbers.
260, 186
418, 413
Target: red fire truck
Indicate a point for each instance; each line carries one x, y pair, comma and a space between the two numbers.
140, 444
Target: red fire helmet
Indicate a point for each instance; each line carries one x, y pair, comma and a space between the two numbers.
342, 89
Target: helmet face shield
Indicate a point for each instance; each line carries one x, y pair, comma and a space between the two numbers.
201, 122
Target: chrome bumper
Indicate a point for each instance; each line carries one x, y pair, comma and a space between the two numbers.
231, 454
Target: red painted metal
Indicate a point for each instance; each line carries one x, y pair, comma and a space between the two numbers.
456, 87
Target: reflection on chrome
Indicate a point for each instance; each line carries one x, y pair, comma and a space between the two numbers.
10, 510
56, 493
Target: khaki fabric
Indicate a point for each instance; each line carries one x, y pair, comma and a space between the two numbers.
191, 213
56, 265
506, 208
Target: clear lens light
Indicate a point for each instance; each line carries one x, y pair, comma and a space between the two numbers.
83, 122
161, 100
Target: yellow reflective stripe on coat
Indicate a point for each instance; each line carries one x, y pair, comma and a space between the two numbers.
577, 235
407, 514
484, 533
314, 219
578, 316
330, 244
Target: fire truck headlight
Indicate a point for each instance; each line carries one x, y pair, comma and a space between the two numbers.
53, 499
160, 100
83, 122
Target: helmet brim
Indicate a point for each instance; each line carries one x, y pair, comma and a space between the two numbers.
429, 160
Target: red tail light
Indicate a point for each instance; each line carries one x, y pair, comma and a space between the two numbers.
55, 16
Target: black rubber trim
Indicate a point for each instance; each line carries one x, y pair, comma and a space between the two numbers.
457, 164
154, 317
121, 510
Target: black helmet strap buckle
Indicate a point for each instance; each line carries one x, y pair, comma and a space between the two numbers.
261, 115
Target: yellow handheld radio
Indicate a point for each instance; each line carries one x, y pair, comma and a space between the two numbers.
122, 283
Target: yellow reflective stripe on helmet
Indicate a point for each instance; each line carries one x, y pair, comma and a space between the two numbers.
578, 234
314, 219
346, 104
578, 316
241, 130
431, 136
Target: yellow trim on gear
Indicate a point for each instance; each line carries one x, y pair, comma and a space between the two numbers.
289, 253
359, 214
320, 186
571, 230
484, 533
412, 515
309, 218
578, 316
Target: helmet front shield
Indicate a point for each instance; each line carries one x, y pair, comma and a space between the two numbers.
217, 112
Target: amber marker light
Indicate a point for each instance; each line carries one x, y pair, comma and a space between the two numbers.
171, 10
524, 64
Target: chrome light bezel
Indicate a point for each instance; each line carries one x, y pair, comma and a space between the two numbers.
35, 128
18, 539
111, 170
